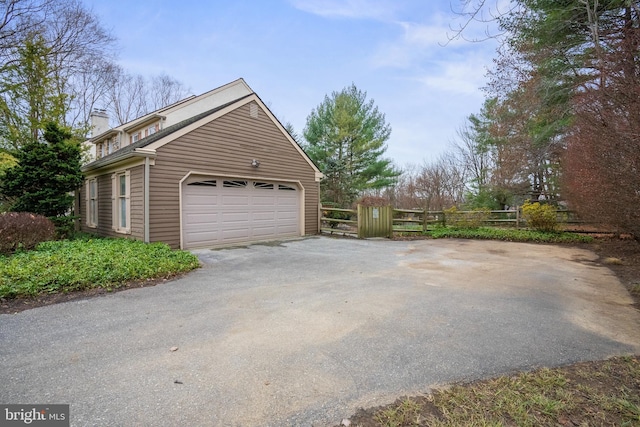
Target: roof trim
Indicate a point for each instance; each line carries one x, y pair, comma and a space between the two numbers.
149, 119
164, 134
227, 109
103, 135
193, 99
167, 135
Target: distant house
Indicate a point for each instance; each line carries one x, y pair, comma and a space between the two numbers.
210, 170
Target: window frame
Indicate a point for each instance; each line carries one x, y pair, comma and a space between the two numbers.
151, 129
119, 202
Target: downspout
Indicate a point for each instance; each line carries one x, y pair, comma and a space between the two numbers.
146, 199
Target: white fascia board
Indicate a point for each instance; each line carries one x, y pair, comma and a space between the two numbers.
253, 97
207, 101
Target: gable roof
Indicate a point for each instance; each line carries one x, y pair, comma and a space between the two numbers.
232, 90
125, 152
146, 146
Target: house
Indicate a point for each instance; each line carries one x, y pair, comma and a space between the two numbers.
210, 170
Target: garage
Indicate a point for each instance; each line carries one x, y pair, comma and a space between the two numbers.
224, 210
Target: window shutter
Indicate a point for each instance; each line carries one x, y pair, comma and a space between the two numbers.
87, 212
127, 174
114, 202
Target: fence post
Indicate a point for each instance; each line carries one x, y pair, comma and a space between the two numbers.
444, 221
517, 217
424, 220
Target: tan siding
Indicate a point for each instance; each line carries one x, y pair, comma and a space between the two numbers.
226, 146
105, 213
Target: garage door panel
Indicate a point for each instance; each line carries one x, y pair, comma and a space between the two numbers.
268, 201
283, 216
234, 217
263, 232
202, 217
235, 235
264, 216
198, 238
233, 200
238, 212
287, 202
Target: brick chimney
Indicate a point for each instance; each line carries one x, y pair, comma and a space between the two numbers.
99, 122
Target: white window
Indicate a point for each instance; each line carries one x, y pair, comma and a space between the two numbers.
92, 203
135, 137
121, 202
152, 129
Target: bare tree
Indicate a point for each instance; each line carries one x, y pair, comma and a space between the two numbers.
17, 18
77, 52
474, 158
127, 98
91, 89
165, 90
131, 96
440, 184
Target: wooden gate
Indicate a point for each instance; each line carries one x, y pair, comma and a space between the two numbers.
375, 221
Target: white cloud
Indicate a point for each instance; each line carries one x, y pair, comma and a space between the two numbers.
464, 77
417, 42
356, 9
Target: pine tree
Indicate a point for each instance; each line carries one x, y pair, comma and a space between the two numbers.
346, 136
46, 175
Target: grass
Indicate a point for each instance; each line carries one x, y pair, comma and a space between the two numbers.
407, 412
592, 393
508, 234
71, 265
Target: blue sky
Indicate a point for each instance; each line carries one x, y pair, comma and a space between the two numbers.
294, 52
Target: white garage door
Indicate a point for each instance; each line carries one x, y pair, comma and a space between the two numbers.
218, 211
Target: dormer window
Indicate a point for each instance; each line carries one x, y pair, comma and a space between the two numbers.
135, 137
152, 129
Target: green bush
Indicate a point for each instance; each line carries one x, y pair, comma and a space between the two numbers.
23, 231
540, 217
466, 219
508, 234
63, 266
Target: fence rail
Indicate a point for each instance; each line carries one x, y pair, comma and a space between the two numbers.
346, 221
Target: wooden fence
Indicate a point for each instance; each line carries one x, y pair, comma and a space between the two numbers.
361, 222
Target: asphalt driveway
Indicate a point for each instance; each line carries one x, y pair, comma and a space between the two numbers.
304, 332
